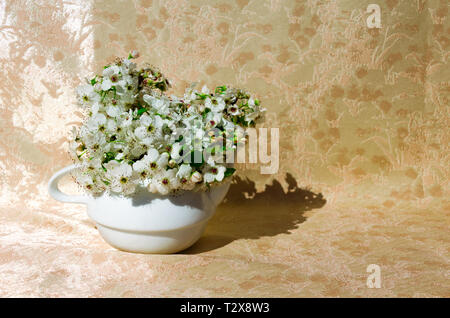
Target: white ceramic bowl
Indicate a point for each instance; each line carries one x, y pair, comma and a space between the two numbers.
147, 222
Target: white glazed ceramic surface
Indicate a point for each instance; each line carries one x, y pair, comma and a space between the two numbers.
147, 222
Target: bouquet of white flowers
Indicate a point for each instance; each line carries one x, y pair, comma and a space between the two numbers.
136, 136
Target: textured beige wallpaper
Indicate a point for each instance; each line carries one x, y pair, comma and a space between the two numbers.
364, 138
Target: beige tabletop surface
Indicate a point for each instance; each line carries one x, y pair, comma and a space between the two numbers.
363, 116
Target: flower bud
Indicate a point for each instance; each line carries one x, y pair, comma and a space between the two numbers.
172, 163
135, 54
196, 177
201, 107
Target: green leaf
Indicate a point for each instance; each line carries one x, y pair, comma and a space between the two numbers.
115, 91
161, 85
103, 94
205, 112
202, 96
81, 154
220, 89
211, 150
229, 172
141, 111
109, 156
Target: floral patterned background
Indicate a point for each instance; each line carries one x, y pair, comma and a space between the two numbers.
364, 139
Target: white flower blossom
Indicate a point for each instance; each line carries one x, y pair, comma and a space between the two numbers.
113, 111
213, 119
136, 136
166, 182
110, 77
215, 173
216, 104
120, 176
161, 105
87, 95
184, 171
96, 122
233, 110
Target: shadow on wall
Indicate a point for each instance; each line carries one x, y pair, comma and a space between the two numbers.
246, 214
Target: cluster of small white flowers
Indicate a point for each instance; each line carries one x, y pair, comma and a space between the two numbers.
136, 136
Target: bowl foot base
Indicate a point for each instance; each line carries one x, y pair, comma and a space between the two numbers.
165, 242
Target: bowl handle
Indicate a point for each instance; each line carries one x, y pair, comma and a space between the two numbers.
60, 196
